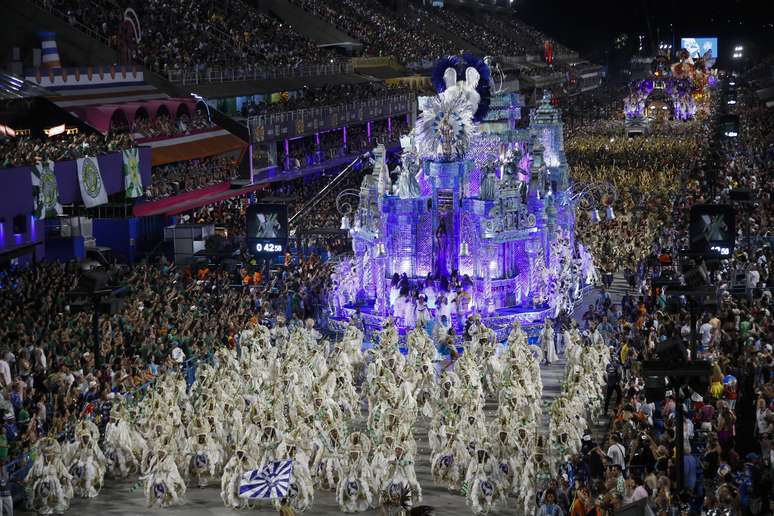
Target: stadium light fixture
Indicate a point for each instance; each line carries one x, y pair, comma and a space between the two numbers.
201, 99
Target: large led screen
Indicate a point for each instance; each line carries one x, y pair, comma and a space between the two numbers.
697, 47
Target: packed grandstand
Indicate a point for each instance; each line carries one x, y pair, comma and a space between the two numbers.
341, 256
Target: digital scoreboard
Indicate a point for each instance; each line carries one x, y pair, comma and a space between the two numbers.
267, 229
712, 230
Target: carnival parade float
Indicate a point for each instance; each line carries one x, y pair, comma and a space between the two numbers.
678, 90
480, 219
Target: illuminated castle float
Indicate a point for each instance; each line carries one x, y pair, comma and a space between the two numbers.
479, 210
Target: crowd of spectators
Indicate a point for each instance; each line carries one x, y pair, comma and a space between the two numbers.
647, 174
23, 150
523, 38
329, 95
382, 32
163, 126
728, 459
596, 111
184, 35
185, 176
233, 34
728, 420
484, 36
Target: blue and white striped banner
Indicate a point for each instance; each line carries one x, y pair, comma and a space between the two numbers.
49, 55
272, 483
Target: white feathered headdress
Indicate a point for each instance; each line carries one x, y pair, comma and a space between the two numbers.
445, 128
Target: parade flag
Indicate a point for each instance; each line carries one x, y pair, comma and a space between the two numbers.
273, 482
45, 190
49, 55
92, 188
132, 177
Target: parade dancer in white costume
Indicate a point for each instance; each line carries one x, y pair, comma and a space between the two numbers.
301, 485
204, 457
237, 466
505, 457
163, 484
422, 312
536, 479
480, 483
448, 465
401, 476
354, 492
124, 445
326, 465
48, 486
547, 343
87, 466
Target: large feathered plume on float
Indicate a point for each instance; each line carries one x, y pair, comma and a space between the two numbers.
448, 121
464, 66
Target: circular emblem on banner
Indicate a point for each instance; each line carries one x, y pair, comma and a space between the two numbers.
48, 188
91, 180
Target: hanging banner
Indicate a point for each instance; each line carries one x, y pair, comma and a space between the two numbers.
45, 192
92, 188
132, 177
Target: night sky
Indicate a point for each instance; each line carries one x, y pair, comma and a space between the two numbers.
593, 25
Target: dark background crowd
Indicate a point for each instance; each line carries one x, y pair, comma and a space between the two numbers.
233, 34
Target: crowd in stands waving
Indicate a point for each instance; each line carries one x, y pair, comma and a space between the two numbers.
329, 95
381, 31
163, 126
185, 35
22, 150
483, 36
185, 176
